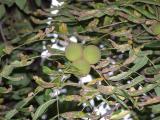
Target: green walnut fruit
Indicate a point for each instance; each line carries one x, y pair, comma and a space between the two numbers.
73, 51
82, 65
156, 28
92, 54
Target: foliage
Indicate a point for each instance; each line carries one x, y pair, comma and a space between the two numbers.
121, 28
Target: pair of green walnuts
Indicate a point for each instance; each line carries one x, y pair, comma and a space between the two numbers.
82, 57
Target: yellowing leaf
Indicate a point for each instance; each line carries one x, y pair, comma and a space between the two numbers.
63, 28
42, 83
8, 49
122, 48
93, 24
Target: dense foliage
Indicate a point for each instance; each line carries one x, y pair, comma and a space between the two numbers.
127, 78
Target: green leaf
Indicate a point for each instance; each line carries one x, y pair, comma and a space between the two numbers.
2, 11
16, 79
135, 81
89, 14
154, 44
145, 89
1, 49
24, 81
40, 99
47, 70
24, 102
38, 2
155, 108
9, 3
143, 11
119, 76
157, 90
156, 118
21, 104
152, 2
11, 113
108, 20
7, 70
20, 3
24, 26
119, 101
17, 63
5, 90
41, 109
139, 63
